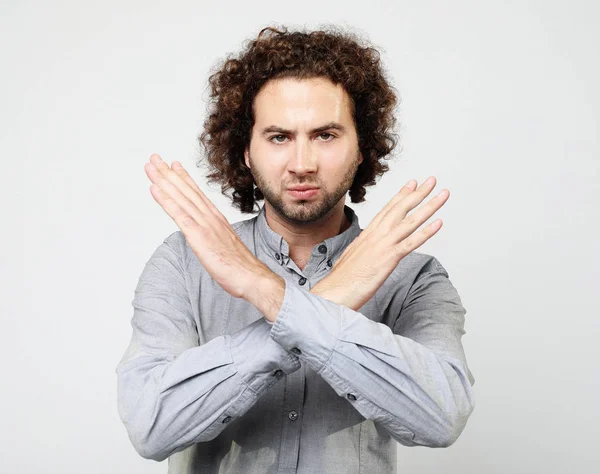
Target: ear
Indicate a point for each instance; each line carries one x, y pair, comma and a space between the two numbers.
246, 159
360, 158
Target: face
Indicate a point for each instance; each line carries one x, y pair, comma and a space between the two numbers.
303, 135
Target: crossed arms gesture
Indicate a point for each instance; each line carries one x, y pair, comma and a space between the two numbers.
354, 278
168, 402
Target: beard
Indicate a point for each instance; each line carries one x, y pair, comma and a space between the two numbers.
300, 211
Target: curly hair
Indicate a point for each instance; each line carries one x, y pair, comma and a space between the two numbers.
277, 53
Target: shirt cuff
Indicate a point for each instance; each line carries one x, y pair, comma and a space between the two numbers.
307, 325
258, 359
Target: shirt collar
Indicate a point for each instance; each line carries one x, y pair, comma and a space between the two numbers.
274, 243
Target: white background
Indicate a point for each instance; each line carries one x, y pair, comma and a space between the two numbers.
500, 101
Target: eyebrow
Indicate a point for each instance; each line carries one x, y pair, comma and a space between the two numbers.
322, 128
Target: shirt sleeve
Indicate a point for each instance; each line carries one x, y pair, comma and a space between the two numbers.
412, 379
173, 392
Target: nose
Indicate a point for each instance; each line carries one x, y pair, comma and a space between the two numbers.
303, 159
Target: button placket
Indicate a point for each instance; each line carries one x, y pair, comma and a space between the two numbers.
290, 435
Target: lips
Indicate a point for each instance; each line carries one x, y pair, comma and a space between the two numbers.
303, 193
302, 188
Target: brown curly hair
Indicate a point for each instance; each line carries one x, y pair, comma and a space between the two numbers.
277, 53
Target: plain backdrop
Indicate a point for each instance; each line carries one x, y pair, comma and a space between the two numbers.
499, 101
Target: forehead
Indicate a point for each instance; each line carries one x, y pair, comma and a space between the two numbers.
286, 101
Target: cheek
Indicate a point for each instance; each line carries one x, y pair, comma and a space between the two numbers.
269, 160
336, 160
270, 155
273, 173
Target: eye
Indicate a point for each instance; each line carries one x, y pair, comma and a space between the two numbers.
327, 134
276, 136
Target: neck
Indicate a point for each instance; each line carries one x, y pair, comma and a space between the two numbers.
302, 238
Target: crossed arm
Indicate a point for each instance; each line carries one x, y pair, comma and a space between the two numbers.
173, 392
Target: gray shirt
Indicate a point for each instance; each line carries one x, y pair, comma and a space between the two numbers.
209, 384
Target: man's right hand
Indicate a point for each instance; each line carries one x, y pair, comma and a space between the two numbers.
370, 258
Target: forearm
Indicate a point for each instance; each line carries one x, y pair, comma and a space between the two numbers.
339, 294
168, 403
422, 396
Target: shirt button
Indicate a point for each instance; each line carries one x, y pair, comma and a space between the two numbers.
277, 256
351, 397
293, 415
329, 264
295, 350
227, 419
323, 248
278, 373
302, 281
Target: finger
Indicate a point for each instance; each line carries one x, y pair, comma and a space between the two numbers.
417, 239
187, 187
416, 197
194, 195
404, 191
406, 199
183, 220
171, 192
412, 221
185, 176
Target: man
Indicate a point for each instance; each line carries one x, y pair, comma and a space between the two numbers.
294, 341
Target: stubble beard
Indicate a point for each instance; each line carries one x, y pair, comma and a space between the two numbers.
301, 211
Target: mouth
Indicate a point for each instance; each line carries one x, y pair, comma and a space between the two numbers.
304, 193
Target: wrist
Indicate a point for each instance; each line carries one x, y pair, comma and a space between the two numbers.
327, 289
267, 295
339, 293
